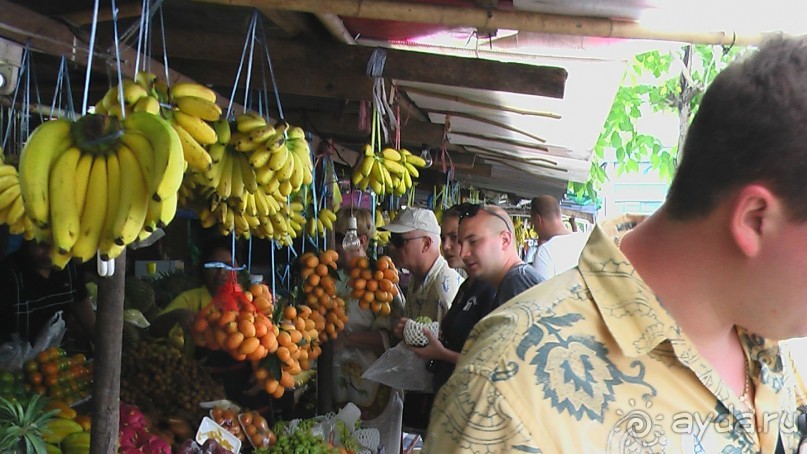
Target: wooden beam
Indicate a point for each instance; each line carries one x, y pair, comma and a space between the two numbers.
125, 10
345, 127
330, 59
492, 19
54, 38
292, 23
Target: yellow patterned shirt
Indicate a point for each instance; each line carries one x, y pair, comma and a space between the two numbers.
590, 362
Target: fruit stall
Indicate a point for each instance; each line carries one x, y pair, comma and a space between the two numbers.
133, 133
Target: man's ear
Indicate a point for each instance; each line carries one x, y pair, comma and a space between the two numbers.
755, 211
507, 239
427, 243
363, 240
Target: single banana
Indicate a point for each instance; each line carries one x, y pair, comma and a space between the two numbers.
198, 107
216, 151
248, 175
186, 89
297, 173
367, 165
133, 204
145, 155
201, 132
225, 182
259, 157
145, 80
237, 180
391, 154
7, 182
415, 160
7, 170
264, 175
222, 127
167, 151
394, 167
8, 196
132, 93
106, 243
94, 212
279, 159
147, 104
248, 122
285, 172
411, 169
285, 188
263, 134
196, 156
65, 213
16, 212
48, 141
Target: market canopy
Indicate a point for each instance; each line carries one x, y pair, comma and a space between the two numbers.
515, 111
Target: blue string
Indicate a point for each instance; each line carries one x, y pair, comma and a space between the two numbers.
272, 73
237, 76
248, 80
249, 256
17, 92
274, 270
117, 60
165, 50
140, 32
89, 57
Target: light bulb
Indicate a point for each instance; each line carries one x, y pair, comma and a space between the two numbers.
351, 243
426, 155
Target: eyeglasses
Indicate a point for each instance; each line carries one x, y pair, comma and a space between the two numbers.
399, 241
470, 210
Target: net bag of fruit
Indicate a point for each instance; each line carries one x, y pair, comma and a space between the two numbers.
233, 324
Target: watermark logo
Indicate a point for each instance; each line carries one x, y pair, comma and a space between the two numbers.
637, 430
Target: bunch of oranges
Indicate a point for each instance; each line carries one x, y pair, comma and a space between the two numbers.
374, 283
261, 297
319, 286
246, 333
59, 376
297, 347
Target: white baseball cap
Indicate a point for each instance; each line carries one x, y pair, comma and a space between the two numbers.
410, 219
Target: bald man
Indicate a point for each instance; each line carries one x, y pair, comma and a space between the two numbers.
560, 248
489, 251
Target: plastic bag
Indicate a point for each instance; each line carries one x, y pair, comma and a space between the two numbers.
15, 353
51, 334
400, 368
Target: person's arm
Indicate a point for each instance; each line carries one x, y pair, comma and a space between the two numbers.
543, 264
165, 321
85, 315
435, 350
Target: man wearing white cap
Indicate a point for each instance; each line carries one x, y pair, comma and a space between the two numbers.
415, 245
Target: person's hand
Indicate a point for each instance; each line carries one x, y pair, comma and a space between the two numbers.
399, 328
433, 350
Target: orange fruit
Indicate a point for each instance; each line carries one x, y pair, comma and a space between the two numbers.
259, 353
200, 325
286, 380
313, 280
261, 329
290, 312
270, 386
304, 312
363, 263
368, 297
322, 270
382, 265
312, 300
296, 336
359, 284
355, 273
306, 272
385, 309
256, 290
385, 285
247, 328
278, 392
311, 262
249, 345
231, 327
233, 341
325, 301
366, 275
261, 374
283, 353
227, 317
372, 286
284, 339
319, 291
357, 293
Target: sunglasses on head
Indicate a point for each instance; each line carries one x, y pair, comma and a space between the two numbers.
397, 239
469, 210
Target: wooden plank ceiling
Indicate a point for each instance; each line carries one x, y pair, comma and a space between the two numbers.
322, 80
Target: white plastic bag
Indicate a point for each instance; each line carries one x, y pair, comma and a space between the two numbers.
400, 368
51, 334
14, 353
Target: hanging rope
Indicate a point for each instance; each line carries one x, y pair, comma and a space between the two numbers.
240, 68
89, 57
117, 59
272, 72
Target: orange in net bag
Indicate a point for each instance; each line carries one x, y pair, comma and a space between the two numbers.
233, 324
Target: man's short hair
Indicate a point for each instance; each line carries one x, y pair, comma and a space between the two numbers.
545, 206
751, 127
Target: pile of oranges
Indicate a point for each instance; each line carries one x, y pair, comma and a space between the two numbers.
261, 297
319, 287
297, 347
58, 375
374, 283
245, 333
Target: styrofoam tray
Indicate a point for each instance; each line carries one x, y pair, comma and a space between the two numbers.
209, 429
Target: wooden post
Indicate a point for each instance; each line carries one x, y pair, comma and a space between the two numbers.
106, 366
325, 380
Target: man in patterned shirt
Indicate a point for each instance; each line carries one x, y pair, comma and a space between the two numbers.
672, 337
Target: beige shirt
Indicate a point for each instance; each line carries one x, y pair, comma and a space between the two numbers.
590, 362
434, 295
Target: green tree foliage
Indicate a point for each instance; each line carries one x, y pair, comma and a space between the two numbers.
654, 81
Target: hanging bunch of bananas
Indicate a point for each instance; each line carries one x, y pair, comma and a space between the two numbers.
189, 107
12, 210
316, 226
390, 171
523, 231
99, 184
381, 236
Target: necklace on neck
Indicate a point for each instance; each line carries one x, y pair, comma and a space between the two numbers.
746, 397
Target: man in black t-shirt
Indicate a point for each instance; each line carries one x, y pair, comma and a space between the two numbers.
31, 291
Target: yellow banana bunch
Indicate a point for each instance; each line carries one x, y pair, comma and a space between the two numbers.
12, 209
189, 107
523, 231
316, 226
98, 184
389, 171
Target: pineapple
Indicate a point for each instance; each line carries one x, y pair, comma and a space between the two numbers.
21, 425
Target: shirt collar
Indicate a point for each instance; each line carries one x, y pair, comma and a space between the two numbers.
629, 308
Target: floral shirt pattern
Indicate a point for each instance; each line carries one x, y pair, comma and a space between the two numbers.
590, 362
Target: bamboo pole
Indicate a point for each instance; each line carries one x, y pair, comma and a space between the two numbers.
491, 19
106, 367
